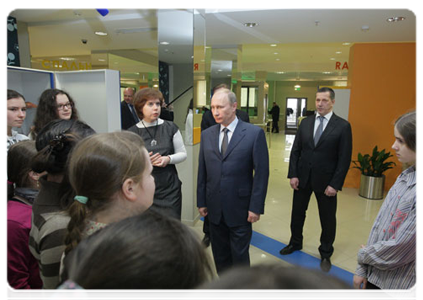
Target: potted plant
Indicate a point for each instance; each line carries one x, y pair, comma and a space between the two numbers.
372, 168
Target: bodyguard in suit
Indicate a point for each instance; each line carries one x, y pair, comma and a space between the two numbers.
232, 181
319, 161
128, 116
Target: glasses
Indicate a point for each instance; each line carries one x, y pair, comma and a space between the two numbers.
62, 106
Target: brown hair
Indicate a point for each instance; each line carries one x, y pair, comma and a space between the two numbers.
406, 126
142, 96
98, 167
19, 159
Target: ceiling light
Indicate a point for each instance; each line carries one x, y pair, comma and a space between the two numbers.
346, 44
338, 52
273, 45
67, 58
280, 72
101, 33
251, 25
365, 28
101, 59
326, 72
276, 53
395, 19
164, 43
332, 58
278, 59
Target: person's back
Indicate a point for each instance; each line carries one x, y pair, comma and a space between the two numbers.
22, 268
49, 218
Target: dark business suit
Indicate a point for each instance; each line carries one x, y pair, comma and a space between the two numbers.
208, 120
230, 186
316, 167
127, 119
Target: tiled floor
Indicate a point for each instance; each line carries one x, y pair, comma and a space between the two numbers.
355, 215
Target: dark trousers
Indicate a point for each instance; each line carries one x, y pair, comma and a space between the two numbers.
327, 213
275, 126
230, 245
376, 293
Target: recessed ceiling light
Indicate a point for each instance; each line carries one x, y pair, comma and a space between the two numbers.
346, 44
251, 25
101, 33
338, 52
365, 28
395, 19
326, 72
280, 72
273, 45
332, 58
278, 59
276, 53
164, 43
101, 59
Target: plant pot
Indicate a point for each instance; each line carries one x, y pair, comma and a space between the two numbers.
371, 187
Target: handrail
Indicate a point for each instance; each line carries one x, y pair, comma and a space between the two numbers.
180, 95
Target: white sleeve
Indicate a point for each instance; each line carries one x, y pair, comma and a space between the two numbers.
180, 152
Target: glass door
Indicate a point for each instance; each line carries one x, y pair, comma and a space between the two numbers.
249, 96
295, 109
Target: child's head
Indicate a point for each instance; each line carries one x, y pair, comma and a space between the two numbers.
19, 173
405, 138
112, 172
147, 251
54, 143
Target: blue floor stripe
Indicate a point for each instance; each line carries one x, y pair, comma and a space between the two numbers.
299, 258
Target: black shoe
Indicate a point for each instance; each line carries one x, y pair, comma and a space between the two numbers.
288, 250
325, 265
206, 240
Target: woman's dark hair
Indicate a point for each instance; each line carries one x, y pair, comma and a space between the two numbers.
11, 94
406, 126
97, 169
19, 159
142, 96
47, 109
265, 276
147, 251
54, 144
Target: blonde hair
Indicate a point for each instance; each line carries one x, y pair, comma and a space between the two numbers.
98, 167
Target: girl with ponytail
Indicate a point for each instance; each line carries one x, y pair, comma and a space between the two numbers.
49, 218
111, 176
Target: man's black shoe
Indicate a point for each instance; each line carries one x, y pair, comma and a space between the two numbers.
288, 250
206, 240
325, 265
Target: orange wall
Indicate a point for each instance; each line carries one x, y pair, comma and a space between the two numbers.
382, 78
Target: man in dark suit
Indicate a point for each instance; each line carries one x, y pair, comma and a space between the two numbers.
232, 181
275, 111
128, 116
207, 121
319, 161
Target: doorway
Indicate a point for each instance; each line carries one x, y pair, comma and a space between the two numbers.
295, 108
249, 97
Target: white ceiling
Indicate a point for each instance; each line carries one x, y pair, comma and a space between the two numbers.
307, 40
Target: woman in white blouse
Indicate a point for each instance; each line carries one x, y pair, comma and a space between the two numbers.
165, 145
388, 260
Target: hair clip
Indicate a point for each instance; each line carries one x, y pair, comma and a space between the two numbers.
58, 142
